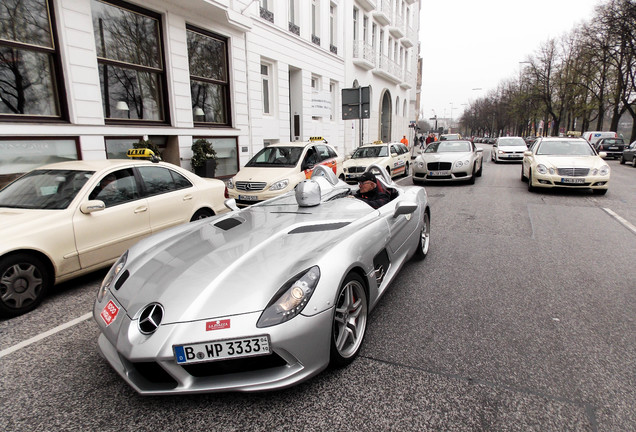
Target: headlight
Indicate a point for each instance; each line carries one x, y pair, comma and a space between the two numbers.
282, 184
604, 170
541, 169
500, 151
230, 184
420, 164
460, 164
111, 276
291, 299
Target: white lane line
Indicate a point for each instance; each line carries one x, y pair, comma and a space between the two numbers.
624, 222
44, 335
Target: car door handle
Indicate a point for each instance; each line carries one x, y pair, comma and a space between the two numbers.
141, 209
188, 197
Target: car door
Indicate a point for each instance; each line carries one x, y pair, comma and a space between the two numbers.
170, 196
102, 236
326, 158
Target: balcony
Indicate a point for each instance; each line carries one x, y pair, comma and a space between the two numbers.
367, 5
410, 38
388, 69
397, 27
382, 13
408, 80
363, 55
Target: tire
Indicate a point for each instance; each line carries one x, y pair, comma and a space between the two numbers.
623, 160
349, 321
471, 180
530, 187
24, 282
407, 170
634, 161
599, 191
481, 169
201, 214
425, 239
523, 178
389, 171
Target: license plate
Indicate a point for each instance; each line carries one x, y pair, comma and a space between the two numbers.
248, 197
222, 349
438, 173
572, 180
613, 148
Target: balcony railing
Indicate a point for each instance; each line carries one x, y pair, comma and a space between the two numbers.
333, 49
294, 29
315, 39
267, 15
363, 55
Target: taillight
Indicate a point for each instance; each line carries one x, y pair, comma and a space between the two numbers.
226, 194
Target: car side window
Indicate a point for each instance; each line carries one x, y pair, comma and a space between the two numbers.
323, 152
116, 187
332, 152
159, 180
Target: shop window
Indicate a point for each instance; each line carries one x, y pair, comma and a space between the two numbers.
226, 155
209, 78
116, 148
130, 60
28, 61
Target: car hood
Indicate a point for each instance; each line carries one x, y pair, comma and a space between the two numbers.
235, 264
265, 174
17, 222
570, 161
445, 157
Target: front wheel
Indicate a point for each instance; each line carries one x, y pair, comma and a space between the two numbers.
425, 238
623, 160
24, 281
531, 188
407, 170
201, 214
349, 321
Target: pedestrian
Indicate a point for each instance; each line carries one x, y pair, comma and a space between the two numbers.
404, 141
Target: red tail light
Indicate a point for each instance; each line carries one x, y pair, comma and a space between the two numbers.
227, 194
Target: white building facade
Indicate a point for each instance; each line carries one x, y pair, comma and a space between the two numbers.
85, 79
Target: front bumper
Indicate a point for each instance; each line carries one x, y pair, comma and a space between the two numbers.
554, 180
455, 174
300, 349
248, 198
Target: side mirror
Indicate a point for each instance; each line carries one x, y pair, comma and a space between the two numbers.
403, 208
231, 204
527, 153
603, 155
92, 206
479, 150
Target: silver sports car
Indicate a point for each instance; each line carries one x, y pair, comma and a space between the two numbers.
259, 298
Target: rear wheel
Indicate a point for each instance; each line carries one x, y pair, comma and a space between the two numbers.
425, 238
407, 170
201, 214
471, 180
530, 187
24, 281
623, 160
349, 321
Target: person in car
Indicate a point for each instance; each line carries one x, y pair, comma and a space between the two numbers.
371, 192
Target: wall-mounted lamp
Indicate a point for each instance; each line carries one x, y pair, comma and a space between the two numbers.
198, 111
122, 106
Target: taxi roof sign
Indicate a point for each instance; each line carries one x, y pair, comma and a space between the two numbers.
140, 153
378, 142
316, 138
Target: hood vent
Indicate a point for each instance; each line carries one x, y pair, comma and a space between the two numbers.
228, 224
319, 228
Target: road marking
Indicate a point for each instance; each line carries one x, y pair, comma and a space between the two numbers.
44, 335
624, 222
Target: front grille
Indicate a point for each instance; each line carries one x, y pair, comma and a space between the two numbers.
357, 169
438, 166
573, 172
224, 367
250, 186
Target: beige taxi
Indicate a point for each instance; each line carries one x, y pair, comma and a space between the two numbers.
277, 169
62, 220
395, 157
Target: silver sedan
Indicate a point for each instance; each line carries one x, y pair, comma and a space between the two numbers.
448, 160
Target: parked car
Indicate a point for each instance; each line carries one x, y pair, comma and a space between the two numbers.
277, 169
261, 298
565, 163
613, 147
508, 149
394, 157
629, 154
448, 160
593, 136
450, 137
63, 220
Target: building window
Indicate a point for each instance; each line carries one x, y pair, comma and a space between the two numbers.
130, 60
266, 12
333, 90
332, 25
373, 37
28, 60
267, 87
315, 20
226, 148
356, 12
365, 25
209, 78
293, 17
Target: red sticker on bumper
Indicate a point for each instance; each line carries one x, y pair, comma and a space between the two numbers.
217, 325
109, 313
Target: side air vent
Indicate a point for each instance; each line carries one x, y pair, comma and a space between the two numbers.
319, 228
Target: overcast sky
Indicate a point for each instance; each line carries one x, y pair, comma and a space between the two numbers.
468, 44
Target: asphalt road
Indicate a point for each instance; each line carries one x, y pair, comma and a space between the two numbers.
522, 317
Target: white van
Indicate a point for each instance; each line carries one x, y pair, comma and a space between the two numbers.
594, 136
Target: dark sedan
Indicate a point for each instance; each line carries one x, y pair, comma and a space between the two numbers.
629, 154
612, 146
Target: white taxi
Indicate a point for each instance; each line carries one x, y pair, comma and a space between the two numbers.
277, 169
62, 220
394, 157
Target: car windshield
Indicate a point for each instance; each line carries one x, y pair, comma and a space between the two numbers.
449, 137
44, 189
565, 148
370, 152
448, 146
512, 142
275, 156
